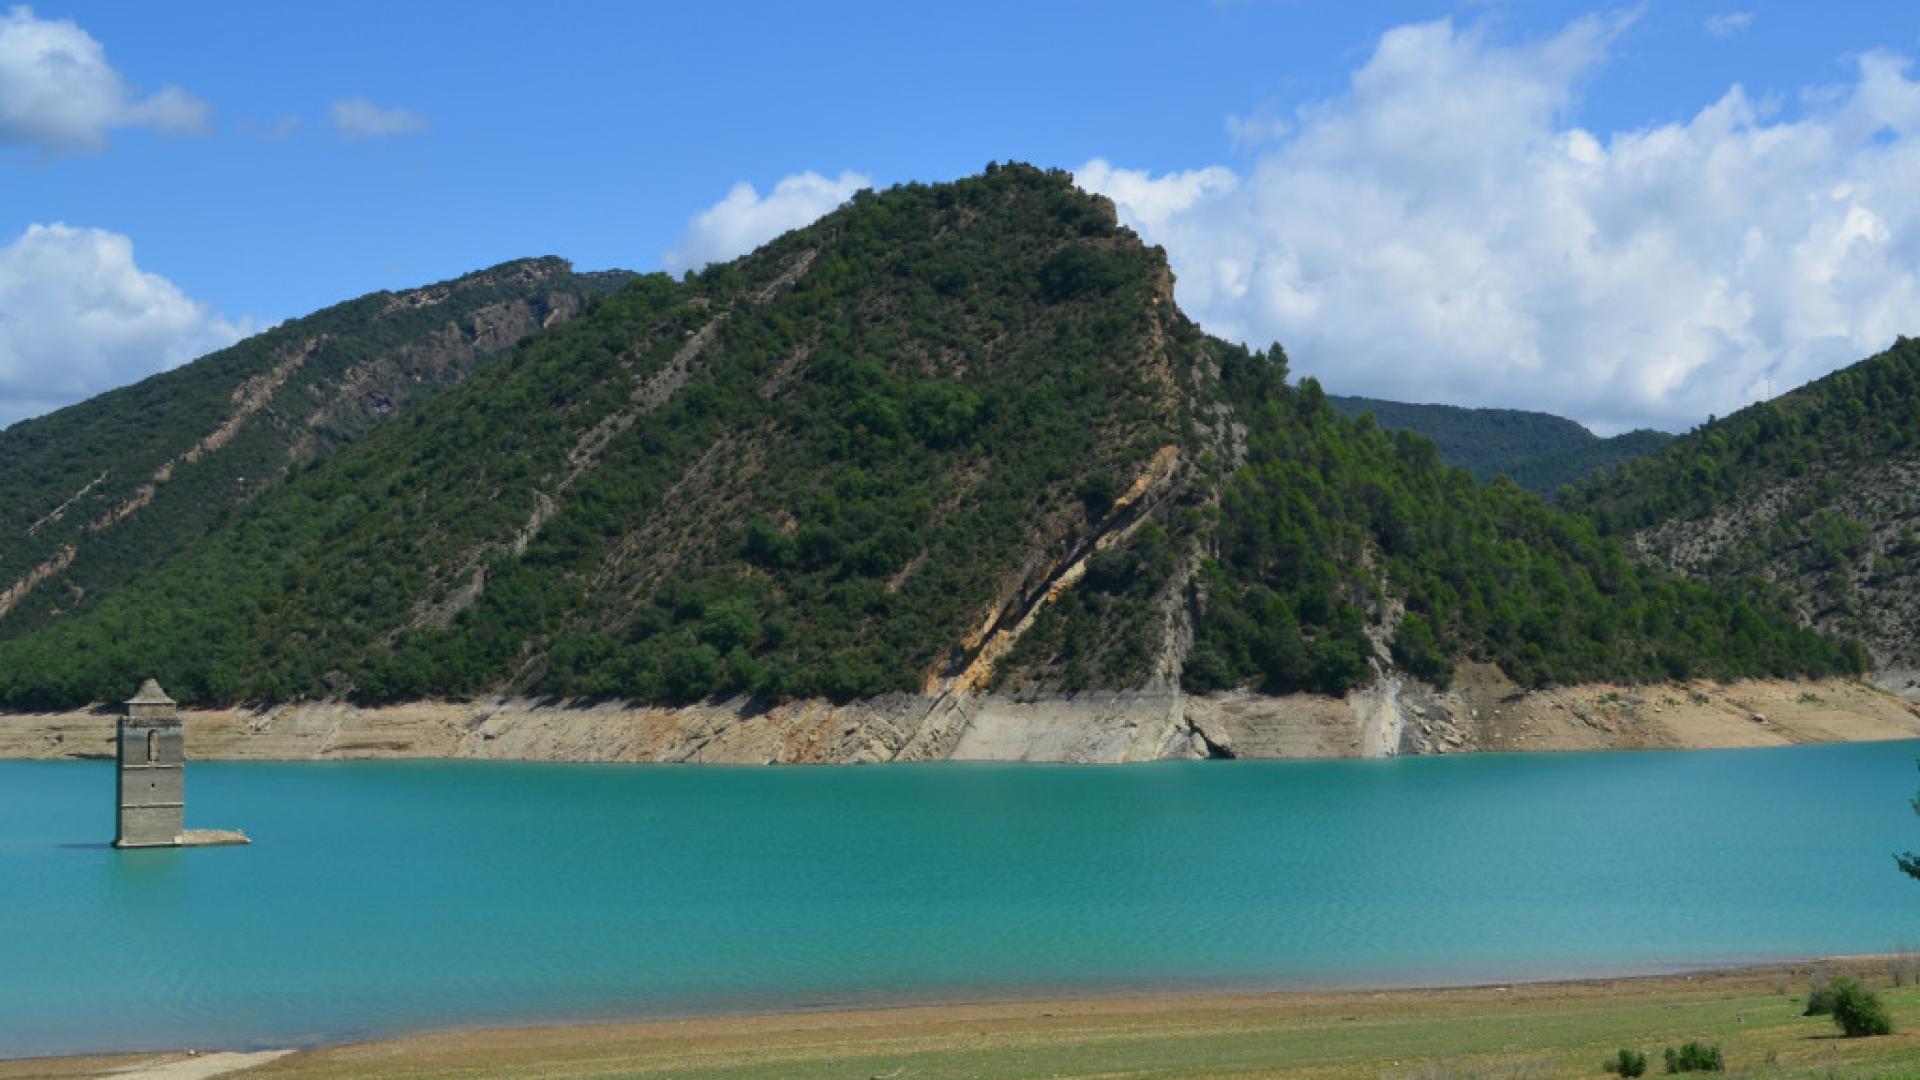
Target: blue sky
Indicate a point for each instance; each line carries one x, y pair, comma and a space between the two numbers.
596, 132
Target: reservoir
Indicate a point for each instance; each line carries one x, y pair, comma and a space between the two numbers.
387, 897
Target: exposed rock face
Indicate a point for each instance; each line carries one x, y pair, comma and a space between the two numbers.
1483, 713
1867, 595
1904, 682
1814, 495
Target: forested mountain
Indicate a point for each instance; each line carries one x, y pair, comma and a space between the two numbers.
95, 494
1817, 491
1539, 451
948, 437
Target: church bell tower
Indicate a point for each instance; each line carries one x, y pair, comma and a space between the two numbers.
152, 789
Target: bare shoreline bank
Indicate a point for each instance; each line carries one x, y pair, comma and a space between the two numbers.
587, 1048
1482, 712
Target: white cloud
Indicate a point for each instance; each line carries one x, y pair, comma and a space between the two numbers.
1257, 127
358, 118
744, 220
172, 111
78, 317
1439, 232
1728, 23
1151, 203
59, 95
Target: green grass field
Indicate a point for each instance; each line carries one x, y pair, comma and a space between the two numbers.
1553, 1030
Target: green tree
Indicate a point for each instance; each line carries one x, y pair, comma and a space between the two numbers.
691, 673
1909, 863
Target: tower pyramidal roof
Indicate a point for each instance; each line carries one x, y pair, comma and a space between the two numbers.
150, 694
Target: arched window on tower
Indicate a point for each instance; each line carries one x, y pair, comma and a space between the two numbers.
153, 747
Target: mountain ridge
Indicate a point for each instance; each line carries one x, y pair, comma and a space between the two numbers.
1816, 492
948, 438
94, 493
1539, 451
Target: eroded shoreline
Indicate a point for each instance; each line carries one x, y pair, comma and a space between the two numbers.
1482, 712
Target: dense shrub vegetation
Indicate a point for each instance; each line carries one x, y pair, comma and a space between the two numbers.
1856, 415
1332, 519
1857, 1011
832, 497
1538, 451
1627, 1063
1820, 1001
1695, 1057
829, 467
64, 474
1814, 491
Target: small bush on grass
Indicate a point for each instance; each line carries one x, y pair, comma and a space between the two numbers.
1858, 1011
1820, 1000
1628, 1063
1695, 1057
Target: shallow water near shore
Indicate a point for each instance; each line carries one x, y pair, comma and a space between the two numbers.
387, 897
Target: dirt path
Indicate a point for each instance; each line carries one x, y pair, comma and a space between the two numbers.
176, 1066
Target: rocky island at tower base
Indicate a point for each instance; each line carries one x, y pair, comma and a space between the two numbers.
210, 838
151, 793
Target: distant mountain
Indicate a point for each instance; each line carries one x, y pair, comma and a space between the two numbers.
949, 437
1539, 451
1817, 491
96, 494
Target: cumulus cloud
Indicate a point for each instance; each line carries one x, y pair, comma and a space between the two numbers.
59, 95
1728, 23
358, 118
744, 220
78, 317
1152, 203
1440, 232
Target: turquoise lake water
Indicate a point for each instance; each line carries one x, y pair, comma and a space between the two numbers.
388, 897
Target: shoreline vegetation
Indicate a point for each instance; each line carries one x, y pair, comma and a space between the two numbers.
1482, 712
1546, 1029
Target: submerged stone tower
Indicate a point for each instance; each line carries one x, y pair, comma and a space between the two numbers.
153, 765
151, 794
